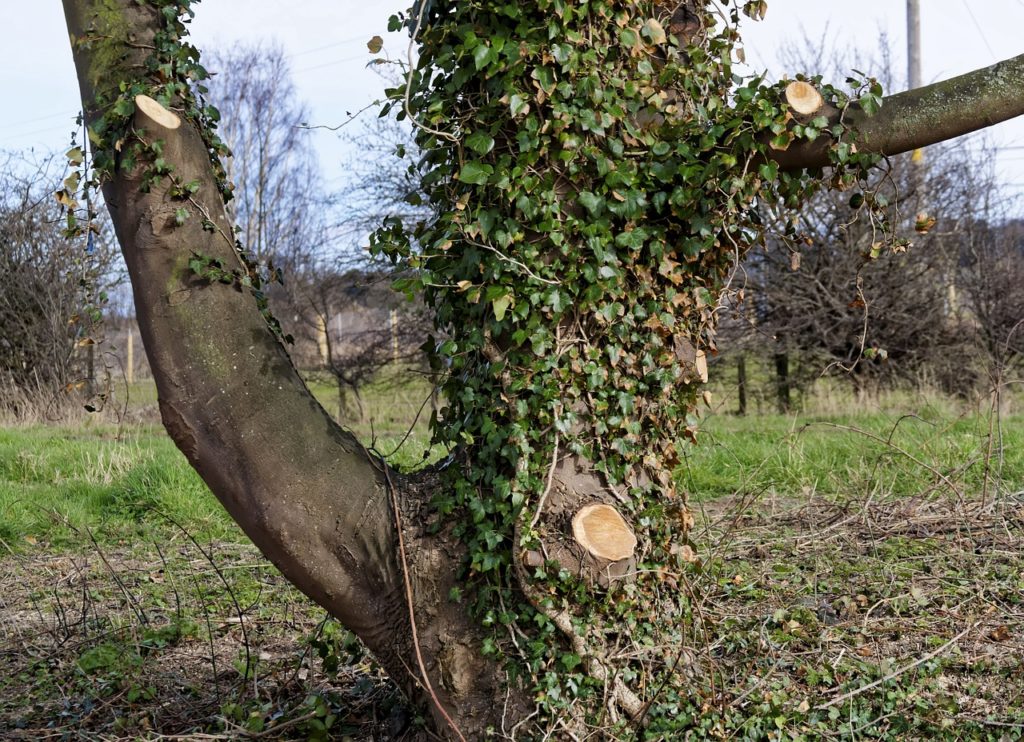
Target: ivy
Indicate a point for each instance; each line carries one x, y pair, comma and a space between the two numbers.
595, 171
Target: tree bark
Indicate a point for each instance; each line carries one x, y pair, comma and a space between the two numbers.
306, 492
922, 116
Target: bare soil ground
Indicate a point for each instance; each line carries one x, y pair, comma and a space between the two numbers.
808, 618
177, 641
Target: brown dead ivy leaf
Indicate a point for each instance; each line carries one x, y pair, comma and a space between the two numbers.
999, 634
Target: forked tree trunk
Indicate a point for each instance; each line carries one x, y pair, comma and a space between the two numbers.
329, 515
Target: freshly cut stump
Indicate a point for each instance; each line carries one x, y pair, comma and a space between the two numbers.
600, 530
803, 98
157, 113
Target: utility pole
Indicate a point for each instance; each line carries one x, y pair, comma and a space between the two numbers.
914, 56
130, 361
914, 43
917, 173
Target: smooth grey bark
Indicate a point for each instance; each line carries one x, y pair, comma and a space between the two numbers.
310, 497
922, 116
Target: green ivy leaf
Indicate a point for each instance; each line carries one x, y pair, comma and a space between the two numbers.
480, 142
475, 173
592, 202
482, 56
518, 105
501, 305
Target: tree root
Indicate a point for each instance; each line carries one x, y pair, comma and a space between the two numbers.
596, 663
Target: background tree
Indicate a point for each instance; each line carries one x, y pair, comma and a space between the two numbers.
570, 142
828, 301
287, 219
382, 179
990, 283
52, 291
360, 327
279, 202
823, 300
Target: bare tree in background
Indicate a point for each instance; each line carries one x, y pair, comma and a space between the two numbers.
360, 326
344, 319
51, 291
821, 298
383, 181
280, 204
992, 289
829, 298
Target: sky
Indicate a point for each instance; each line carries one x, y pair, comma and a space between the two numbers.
325, 41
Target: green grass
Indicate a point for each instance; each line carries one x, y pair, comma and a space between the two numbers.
833, 551
118, 482
852, 455
57, 482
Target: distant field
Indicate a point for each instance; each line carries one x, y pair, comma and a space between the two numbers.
854, 455
858, 575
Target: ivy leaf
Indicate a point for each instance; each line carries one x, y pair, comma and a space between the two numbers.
654, 31
375, 44
480, 142
517, 105
475, 173
545, 78
592, 202
124, 107
482, 56
870, 103
501, 305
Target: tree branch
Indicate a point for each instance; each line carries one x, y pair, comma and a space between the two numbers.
923, 116
303, 489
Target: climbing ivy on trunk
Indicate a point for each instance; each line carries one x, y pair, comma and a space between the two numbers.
596, 170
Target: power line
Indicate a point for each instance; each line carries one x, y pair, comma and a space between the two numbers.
343, 42
303, 53
981, 32
49, 129
331, 64
17, 124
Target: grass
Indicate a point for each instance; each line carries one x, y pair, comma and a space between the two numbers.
857, 576
853, 455
56, 484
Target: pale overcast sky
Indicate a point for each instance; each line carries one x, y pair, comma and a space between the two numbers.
326, 41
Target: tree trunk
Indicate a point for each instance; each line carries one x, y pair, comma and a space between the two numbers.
783, 398
350, 405
741, 384
310, 497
